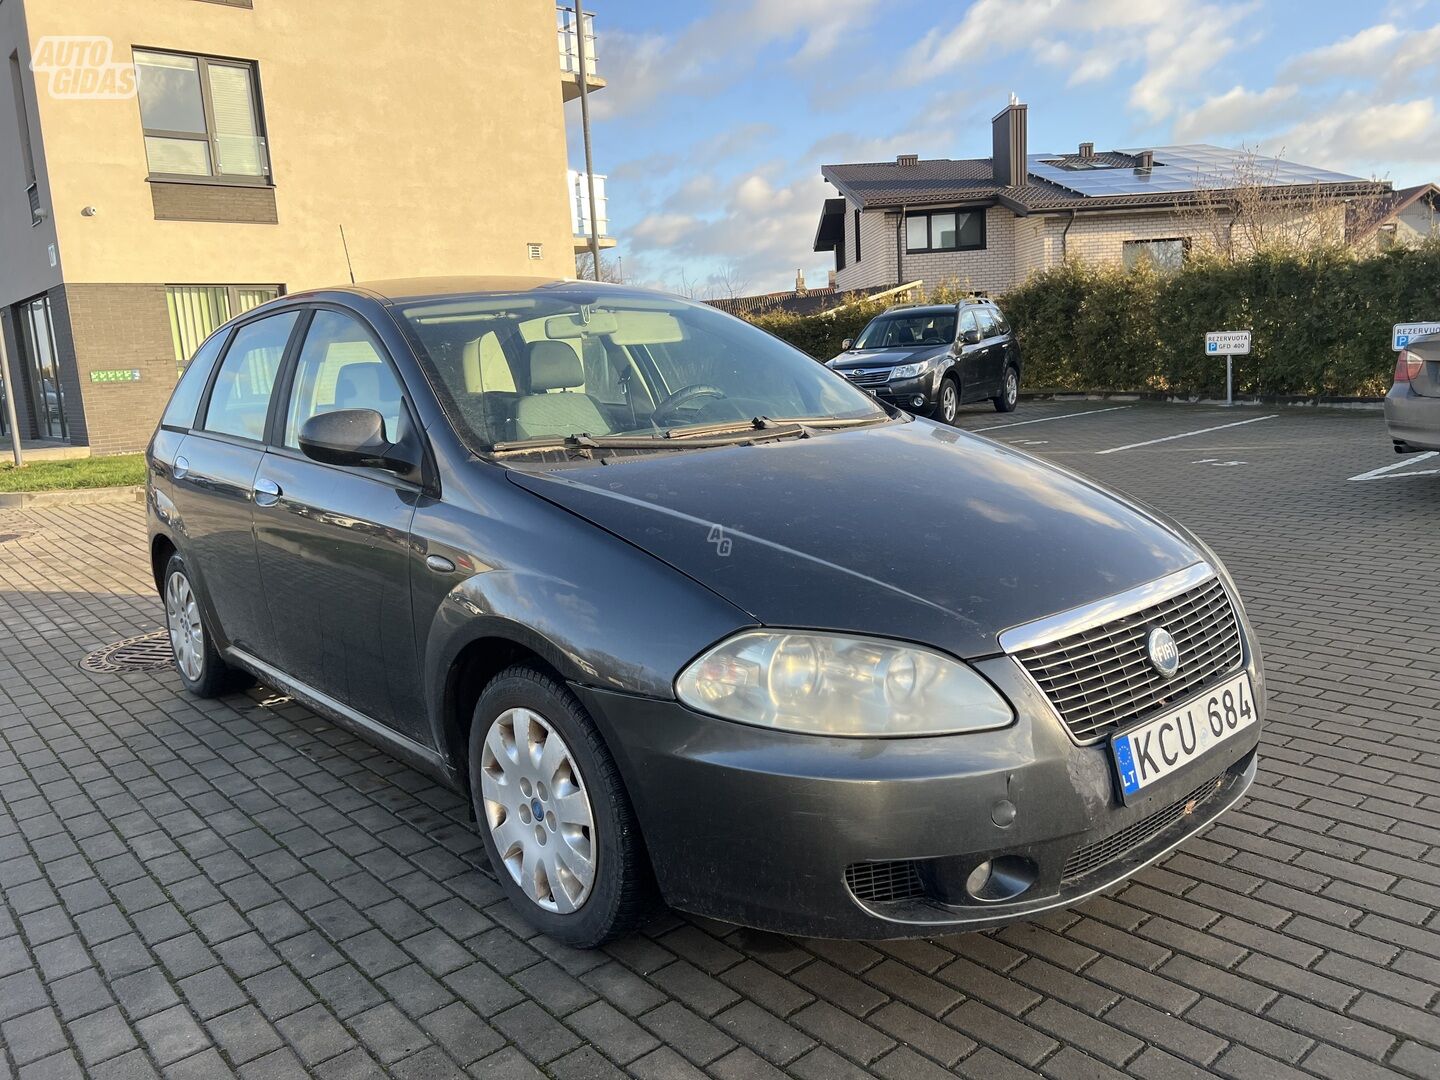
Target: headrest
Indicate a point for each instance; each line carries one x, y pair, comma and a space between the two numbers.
356, 384
554, 366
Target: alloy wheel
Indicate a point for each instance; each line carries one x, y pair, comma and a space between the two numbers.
538, 811
949, 402
1012, 386
182, 618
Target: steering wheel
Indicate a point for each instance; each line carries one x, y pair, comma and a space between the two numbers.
667, 409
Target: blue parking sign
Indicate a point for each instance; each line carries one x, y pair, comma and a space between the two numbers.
1401, 340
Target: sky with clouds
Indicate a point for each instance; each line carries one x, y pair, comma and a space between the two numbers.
718, 116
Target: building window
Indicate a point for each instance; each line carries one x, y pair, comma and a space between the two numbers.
27, 149
197, 310
202, 118
857, 236
945, 230
1164, 256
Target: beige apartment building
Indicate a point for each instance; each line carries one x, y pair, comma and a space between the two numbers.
168, 164
989, 223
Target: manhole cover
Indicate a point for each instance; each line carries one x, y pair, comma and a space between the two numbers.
149, 652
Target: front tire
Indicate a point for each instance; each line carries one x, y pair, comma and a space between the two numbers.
947, 405
202, 670
553, 812
1009, 395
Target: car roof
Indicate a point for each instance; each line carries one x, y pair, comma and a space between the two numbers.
926, 309
394, 290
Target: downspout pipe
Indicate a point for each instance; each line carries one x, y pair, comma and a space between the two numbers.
1065, 237
900, 246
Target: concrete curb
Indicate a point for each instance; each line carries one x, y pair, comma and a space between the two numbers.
19, 500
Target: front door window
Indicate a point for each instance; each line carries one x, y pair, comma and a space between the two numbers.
42, 368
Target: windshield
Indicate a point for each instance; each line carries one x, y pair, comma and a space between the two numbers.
908, 329
554, 364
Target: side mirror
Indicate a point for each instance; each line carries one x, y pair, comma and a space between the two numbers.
970, 337
845, 345
353, 437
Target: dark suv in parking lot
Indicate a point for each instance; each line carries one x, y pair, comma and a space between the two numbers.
623, 570
933, 358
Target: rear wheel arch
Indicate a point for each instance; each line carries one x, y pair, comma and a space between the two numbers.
161, 548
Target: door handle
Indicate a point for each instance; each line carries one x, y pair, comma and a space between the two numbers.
440, 564
267, 492
181, 468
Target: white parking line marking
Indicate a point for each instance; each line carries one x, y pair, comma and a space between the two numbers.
1184, 435
1047, 419
1404, 463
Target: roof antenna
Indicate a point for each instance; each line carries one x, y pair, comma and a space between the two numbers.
1013, 99
346, 246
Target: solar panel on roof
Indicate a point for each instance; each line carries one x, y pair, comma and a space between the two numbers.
1183, 168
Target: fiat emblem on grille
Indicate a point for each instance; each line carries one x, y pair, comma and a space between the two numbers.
1164, 653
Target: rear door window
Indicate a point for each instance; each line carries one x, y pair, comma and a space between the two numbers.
988, 329
240, 400
1000, 323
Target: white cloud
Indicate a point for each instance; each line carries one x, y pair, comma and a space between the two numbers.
1176, 44
1385, 114
758, 229
1236, 112
1364, 51
1363, 137
705, 55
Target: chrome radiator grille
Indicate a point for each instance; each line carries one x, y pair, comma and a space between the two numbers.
868, 377
1099, 679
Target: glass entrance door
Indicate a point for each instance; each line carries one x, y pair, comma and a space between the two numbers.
42, 367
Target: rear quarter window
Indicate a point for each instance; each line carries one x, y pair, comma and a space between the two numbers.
185, 400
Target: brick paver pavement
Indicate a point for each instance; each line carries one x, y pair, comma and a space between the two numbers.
198, 888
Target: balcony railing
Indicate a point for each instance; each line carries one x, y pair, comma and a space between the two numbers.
580, 204
570, 47
570, 54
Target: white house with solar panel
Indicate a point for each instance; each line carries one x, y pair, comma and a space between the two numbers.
989, 223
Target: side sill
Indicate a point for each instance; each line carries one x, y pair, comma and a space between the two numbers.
412, 753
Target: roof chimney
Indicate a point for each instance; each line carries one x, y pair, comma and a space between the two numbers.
908, 161
800, 289
1087, 151
1009, 145
1146, 160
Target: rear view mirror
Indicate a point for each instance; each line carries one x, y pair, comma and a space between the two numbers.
970, 337
353, 438
845, 345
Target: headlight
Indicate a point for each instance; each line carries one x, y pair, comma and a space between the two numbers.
827, 684
909, 371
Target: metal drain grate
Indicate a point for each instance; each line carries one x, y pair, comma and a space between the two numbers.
149, 652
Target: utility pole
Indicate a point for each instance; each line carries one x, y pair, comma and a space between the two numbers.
11, 386
594, 214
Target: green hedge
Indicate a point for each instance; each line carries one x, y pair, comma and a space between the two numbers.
1321, 321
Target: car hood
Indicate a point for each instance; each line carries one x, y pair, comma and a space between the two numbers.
884, 358
906, 530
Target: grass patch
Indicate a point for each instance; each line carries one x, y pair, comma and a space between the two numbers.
121, 470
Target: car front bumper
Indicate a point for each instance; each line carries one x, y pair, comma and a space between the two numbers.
1413, 420
860, 838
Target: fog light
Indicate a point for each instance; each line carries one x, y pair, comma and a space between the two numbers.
1001, 878
917, 401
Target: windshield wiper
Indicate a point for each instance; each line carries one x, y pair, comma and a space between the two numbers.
584, 444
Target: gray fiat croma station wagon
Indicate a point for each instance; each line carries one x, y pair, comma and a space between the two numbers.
689, 616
